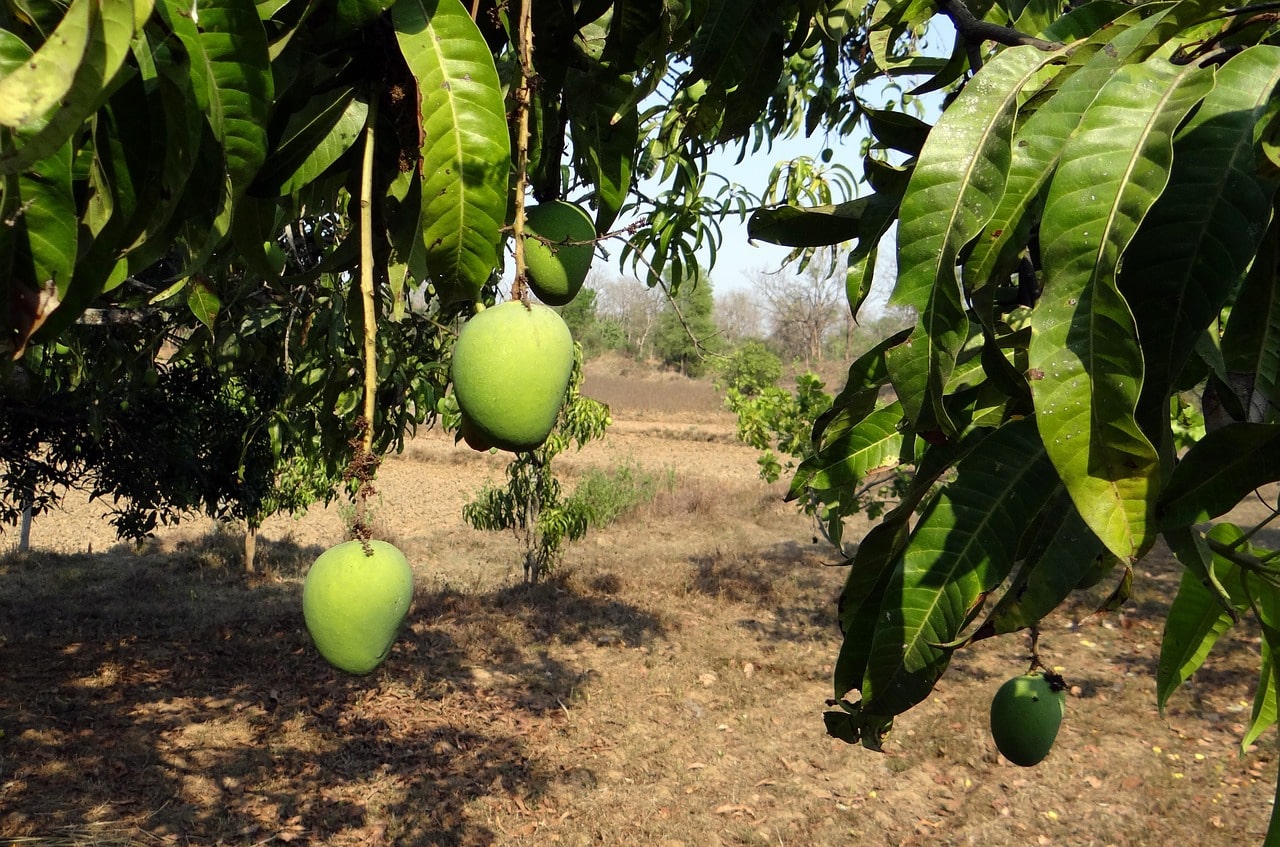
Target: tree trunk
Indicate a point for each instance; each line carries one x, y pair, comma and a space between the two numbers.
24, 532
250, 547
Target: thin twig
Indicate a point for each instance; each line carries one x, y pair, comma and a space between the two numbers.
366, 278
364, 464
524, 67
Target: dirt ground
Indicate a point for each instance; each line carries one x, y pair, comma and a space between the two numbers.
664, 687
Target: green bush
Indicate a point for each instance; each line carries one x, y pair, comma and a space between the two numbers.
606, 495
749, 369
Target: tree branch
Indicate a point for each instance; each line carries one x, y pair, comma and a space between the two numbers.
974, 31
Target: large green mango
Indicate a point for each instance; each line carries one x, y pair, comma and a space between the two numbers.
511, 367
355, 603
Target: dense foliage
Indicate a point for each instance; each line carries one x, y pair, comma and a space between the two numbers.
1087, 234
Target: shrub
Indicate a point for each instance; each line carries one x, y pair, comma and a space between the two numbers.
606, 495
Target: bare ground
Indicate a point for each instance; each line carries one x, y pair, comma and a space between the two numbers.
664, 688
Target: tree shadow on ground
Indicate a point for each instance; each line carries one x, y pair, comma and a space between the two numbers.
794, 583
162, 692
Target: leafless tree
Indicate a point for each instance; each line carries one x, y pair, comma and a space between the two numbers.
634, 305
738, 316
801, 310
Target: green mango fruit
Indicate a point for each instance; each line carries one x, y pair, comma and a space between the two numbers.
1025, 716
354, 603
472, 436
556, 271
511, 367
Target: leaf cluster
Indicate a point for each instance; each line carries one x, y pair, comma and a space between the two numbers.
1087, 234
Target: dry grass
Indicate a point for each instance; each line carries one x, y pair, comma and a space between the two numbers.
664, 687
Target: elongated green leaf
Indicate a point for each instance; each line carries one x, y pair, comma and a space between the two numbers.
1086, 366
1251, 340
1219, 471
44, 207
860, 599
1195, 622
953, 191
466, 153
314, 139
1265, 600
808, 226
732, 39
1263, 714
874, 444
1063, 552
1200, 236
606, 137
178, 126
898, 130
113, 27
30, 90
859, 277
962, 548
203, 302
866, 376
1038, 143
228, 52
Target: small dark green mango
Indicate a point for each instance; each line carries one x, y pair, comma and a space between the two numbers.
556, 271
354, 604
1025, 716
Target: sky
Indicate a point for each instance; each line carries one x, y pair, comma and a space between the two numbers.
739, 259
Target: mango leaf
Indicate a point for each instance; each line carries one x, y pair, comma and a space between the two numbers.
731, 40
860, 599
1263, 714
1038, 142
963, 547
1219, 471
1265, 600
874, 444
1062, 552
228, 53
315, 137
873, 563
177, 124
953, 191
860, 276
897, 130
808, 226
44, 206
747, 100
606, 137
352, 15
466, 153
1195, 622
866, 376
31, 89
1251, 339
113, 27
203, 302
633, 21
1197, 241
1086, 366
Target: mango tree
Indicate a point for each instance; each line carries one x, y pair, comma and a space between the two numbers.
1087, 234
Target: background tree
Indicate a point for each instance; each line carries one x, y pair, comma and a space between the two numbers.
686, 333
801, 310
738, 316
634, 307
